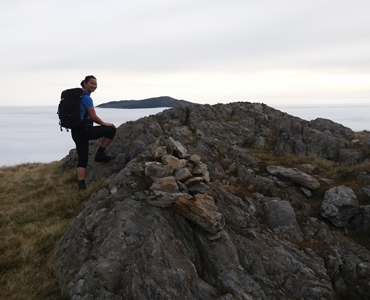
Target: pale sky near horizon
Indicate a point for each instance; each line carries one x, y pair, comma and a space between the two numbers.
203, 51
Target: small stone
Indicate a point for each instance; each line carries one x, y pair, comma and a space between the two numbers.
201, 170
193, 181
176, 148
182, 175
195, 159
183, 163
306, 192
172, 161
157, 170
327, 181
307, 167
166, 184
160, 151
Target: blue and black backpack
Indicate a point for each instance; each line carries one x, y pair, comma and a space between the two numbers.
69, 109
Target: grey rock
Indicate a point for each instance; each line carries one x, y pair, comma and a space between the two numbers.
202, 211
333, 270
366, 142
350, 157
193, 181
313, 139
201, 170
280, 217
363, 270
176, 148
330, 126
160, 151
166, 184
295, 176
362, 220
306, 192
260, 142
156, 170
364, 176
340, 205
182, 175
326, 180
309, 167
172, 161
366, 190
195, 159
130, 243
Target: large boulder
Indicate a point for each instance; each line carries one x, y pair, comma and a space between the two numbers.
340, 205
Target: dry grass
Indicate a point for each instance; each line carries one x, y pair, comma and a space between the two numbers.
340, 174
38, 204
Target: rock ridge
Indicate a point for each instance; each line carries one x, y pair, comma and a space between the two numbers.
189, 211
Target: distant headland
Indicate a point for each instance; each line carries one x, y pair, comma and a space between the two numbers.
163, 101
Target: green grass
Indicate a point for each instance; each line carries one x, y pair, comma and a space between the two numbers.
38, 204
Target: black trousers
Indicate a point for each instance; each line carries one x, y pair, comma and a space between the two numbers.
81, 137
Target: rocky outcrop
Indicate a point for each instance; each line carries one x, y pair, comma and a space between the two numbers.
187, 211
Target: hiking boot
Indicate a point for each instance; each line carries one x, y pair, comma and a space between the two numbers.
102, 157
81, 186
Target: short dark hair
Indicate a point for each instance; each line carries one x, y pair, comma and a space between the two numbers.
86, 80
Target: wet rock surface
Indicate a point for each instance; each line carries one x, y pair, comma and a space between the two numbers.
187, 211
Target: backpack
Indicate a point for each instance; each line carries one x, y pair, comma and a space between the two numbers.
69, 109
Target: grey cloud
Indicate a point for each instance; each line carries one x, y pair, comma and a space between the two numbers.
183, 36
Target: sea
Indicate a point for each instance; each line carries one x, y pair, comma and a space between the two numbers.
32, 134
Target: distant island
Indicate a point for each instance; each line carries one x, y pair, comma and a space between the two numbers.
163, 101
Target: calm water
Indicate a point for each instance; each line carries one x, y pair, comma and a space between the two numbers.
32, 134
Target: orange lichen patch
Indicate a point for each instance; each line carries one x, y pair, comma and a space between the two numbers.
201, 210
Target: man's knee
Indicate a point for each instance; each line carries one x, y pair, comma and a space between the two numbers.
111, 132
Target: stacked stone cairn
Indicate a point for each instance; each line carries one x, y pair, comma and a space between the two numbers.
170, 171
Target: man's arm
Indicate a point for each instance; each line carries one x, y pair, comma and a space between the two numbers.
94, 117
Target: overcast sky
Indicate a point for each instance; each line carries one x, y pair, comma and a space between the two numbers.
204, 51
